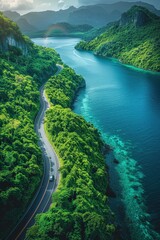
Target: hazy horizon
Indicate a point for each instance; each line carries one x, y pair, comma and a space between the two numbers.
24, 6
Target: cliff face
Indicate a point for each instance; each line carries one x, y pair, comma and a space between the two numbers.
10, 35
11, 41
139, 19
138, 16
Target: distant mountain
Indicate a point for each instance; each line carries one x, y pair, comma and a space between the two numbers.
134, 39
95, 15
14, 16
22, 23
101, 14
25, 27
42, 20
63, 29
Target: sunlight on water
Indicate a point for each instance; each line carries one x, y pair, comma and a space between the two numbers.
130, 178
77, 55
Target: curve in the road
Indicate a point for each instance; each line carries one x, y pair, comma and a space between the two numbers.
42, 199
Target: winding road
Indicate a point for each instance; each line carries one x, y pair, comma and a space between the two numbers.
43, 197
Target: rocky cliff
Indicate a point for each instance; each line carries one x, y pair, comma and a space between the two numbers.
10, 35
11, 41
138, 16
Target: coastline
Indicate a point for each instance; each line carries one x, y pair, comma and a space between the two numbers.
127, 65
73, 129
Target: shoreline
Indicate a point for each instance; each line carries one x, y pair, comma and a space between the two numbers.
138, 69
67, 131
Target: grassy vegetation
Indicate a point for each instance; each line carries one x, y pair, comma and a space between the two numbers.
131, 44
80, 205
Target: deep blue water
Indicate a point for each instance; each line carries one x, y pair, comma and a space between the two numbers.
124, 104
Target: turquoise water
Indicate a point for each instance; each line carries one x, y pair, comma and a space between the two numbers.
124, 104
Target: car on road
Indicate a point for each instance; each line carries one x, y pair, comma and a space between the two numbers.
51, 178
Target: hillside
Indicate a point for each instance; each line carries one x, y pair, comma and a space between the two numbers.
101, 14
134, 40
10, 35
25, 27
14, 16
63, 30
23, 68
82, 193
95, 15
80, 205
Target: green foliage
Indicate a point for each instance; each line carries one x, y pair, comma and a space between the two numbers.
139, 46
61, 89
80, 206
39, 63
20, 156
8, 28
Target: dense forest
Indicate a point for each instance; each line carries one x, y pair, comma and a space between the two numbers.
135, 40
20, 157
61, 89
80, 205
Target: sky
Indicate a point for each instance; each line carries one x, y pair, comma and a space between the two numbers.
41, 5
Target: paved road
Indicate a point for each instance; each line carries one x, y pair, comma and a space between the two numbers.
42, 199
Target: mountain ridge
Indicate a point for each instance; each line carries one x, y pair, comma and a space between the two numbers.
95, 15
134, 40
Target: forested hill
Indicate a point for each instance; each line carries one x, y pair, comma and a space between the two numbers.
62, 29
134, 40
21, 74
80, 204
96, 15
80, 208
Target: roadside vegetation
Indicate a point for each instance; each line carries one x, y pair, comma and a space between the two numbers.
20, 157
80, 205
62, 88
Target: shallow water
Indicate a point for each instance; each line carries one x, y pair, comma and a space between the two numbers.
124, 104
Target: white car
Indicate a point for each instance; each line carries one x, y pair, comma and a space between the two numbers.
51, 178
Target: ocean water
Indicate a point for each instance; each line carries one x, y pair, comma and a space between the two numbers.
123, 102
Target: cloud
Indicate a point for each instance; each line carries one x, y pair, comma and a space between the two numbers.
42, 5
67, 3
16, 4
60, 1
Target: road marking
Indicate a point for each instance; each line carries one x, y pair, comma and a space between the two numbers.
33, 213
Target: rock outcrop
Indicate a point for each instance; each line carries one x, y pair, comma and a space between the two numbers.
11, 41
10, 35
138, 16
